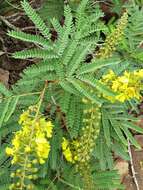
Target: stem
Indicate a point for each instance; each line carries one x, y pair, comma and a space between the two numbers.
21, 95
132, 166
41, 99
52, 182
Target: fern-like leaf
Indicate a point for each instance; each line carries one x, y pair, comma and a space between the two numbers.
36, 19
34, 53
30, 38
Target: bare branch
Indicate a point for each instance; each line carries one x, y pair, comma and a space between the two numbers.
132, 166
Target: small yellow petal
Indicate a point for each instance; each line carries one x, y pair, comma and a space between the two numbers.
9, 151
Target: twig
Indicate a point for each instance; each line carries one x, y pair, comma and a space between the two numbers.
20, 95
8, 23
12, 5
3, 46
132, 166
17, 14
54, 101
51, 183
28, 28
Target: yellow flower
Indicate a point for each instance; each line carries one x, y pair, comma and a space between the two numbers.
131, 92
9, 151
68, 155
110, 76
121, 97
41, 161
65, 144
30, 145
128, 86
23, 117
67, 151
139, 73
14, 160
115, 85
43, 148
27, 149
125, 78
16, 142
47, 126
49, 129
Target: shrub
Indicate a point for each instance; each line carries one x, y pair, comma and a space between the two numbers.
89, 119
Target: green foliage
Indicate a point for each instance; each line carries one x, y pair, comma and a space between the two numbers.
131, 45
36, 19
134, 29
63, 63
52, 9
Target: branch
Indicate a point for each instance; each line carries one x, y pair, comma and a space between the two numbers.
132, 166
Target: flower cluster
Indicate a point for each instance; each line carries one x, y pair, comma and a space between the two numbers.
79, 151
30, 148
90, 132
69, 150
87, 141
127, 86
113, 39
